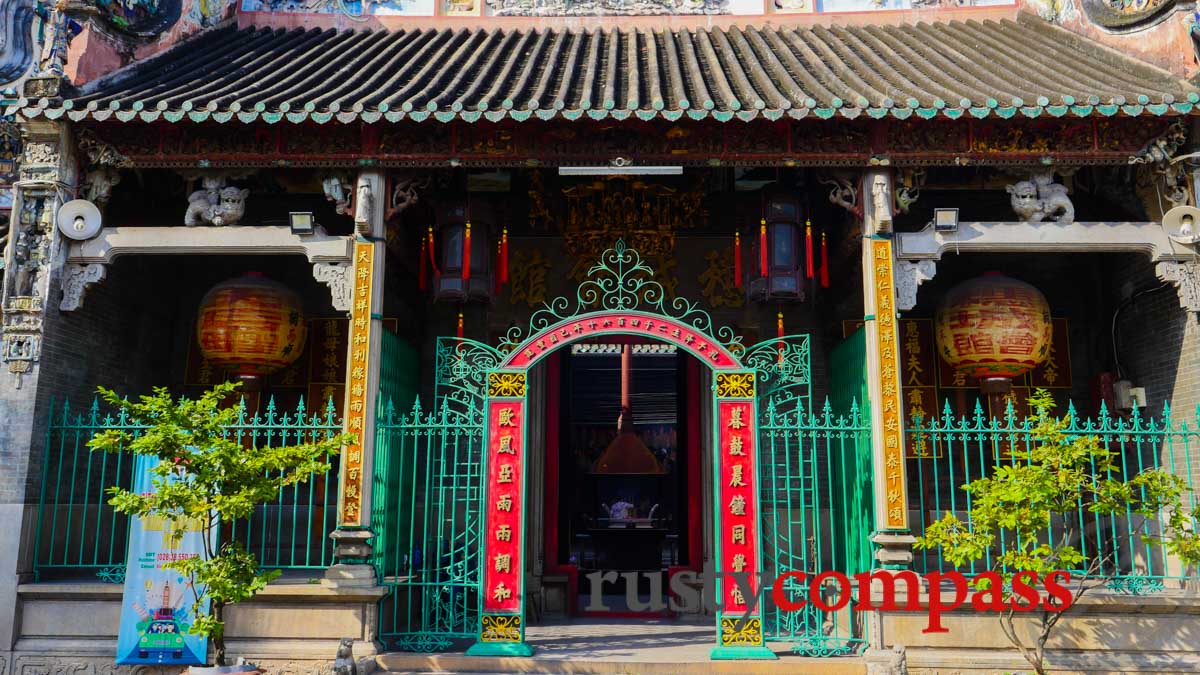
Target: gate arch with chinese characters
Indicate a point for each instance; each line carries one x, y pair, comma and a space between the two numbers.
763, 506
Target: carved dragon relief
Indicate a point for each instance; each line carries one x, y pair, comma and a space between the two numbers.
844, 191
1162, 183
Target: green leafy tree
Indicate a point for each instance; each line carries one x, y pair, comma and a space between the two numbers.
204, 480
1018, 501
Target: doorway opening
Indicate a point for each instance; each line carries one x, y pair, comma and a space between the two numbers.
628, 442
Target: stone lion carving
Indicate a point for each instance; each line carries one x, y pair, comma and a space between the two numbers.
1041, 198
215, 204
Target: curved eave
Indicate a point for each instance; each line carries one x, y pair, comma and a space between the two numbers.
1159, 109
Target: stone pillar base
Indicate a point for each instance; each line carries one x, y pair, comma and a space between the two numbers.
351, 546
893, 550
349, 576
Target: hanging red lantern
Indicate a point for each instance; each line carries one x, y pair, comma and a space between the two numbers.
737, 258
994, 327
824, 262
779, 251
469, 262
251, 325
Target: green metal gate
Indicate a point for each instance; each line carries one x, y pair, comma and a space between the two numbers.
813, 471
426, 508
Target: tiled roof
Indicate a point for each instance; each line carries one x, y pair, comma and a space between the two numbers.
948, 69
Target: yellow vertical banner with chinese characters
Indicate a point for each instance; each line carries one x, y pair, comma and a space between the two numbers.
891, 405
357, 369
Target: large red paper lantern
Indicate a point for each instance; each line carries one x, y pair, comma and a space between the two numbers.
251, 325
994, 327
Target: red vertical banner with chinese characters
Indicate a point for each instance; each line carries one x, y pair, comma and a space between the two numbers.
502, 619
737, 508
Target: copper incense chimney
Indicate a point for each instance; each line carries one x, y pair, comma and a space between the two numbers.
627, 454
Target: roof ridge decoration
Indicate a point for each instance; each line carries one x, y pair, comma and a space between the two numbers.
946, 70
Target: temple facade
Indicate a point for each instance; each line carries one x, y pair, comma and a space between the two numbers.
617, 297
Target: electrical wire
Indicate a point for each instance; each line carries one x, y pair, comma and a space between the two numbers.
1120, 308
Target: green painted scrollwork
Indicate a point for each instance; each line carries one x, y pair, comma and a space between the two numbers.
622, 281
783, 370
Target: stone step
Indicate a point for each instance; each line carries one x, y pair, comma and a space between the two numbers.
410, 664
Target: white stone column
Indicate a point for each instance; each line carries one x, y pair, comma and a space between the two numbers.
362, 387
892, 538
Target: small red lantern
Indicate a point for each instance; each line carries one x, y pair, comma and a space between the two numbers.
780, 272
994, 327
251, 325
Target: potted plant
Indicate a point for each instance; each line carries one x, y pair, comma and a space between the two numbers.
203, 480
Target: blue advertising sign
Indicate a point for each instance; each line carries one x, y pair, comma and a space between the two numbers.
158, 606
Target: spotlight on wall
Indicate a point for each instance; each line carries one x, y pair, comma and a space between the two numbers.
301, 222
945, 220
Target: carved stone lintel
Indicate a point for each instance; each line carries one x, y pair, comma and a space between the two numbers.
75, 280
1186, 277
1147, 238
339, 277
909, 276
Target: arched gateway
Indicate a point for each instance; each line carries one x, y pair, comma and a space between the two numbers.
765, 514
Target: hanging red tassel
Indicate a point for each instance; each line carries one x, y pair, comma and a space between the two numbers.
808, 249
762, 247
504, 256
421, 283
432, 258
779, 331
466, 264
737, 259
460, 325
824, 262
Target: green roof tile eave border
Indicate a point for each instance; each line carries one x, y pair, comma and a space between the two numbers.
1175, 109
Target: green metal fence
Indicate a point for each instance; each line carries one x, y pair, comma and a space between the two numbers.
816, 517
79, 535
951, 451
